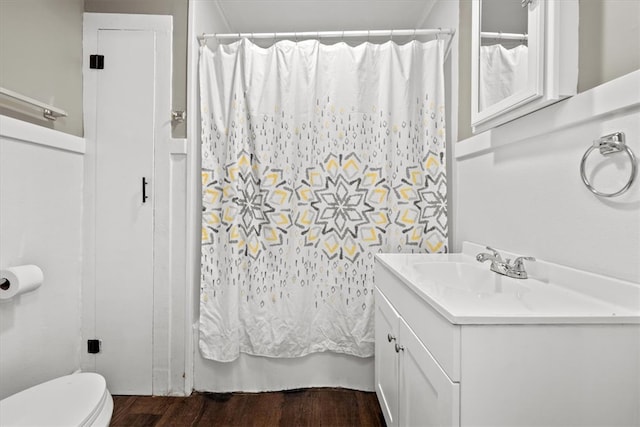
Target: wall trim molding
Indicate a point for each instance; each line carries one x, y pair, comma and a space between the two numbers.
178, 146
22, 131
607, 99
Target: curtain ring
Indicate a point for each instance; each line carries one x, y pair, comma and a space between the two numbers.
391, 36
438, 33
295, 35
368, 34
274, 37
342, 36
414, 34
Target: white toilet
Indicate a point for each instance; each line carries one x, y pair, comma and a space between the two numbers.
73, 400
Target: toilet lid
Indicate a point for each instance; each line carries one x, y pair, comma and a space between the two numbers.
72, 400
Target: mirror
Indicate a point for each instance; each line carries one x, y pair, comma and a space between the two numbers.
524, 56
503, 50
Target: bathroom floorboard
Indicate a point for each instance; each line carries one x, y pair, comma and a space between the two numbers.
296, 408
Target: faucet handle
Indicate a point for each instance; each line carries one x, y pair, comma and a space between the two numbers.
495, 253
518, 263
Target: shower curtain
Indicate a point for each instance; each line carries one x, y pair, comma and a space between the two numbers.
314, 159
503, 72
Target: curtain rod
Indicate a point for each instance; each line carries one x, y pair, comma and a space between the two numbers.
330, 34
504, 36
336, 34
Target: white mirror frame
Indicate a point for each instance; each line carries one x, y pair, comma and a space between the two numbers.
553, 62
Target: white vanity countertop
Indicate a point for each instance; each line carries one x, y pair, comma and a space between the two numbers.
465, 291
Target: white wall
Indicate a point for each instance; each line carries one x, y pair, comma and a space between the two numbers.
609, 38
518, 186
444, 14
40, 223
41, 57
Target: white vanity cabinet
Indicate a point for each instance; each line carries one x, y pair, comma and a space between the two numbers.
412, 388
387, 363
427, 396
433, 367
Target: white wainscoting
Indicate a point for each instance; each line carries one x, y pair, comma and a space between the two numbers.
40, 223
518, 186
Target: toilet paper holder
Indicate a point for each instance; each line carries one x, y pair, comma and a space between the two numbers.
15, 281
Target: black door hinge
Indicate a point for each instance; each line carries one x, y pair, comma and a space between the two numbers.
93, 346
96, 62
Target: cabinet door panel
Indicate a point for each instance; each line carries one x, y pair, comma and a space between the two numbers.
436, 333
386, 359
427, 396
124, 149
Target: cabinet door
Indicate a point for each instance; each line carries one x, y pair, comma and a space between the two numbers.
386, 359
427, 396
123, 219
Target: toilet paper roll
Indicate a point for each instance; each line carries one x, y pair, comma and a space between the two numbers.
18, 280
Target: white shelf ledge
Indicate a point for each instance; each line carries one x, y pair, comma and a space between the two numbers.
49, 112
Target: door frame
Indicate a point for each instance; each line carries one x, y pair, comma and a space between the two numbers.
162, 26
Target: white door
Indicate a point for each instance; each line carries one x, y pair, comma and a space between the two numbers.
427, 396
123, 219
386, 358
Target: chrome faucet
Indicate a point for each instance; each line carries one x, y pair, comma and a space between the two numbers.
505, 267
497, 264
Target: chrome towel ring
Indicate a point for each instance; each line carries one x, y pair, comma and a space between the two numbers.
609, 144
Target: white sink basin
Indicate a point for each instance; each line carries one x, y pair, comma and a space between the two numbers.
466, 292
465, 277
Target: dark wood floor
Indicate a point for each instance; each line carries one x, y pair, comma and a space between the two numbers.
296, 408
